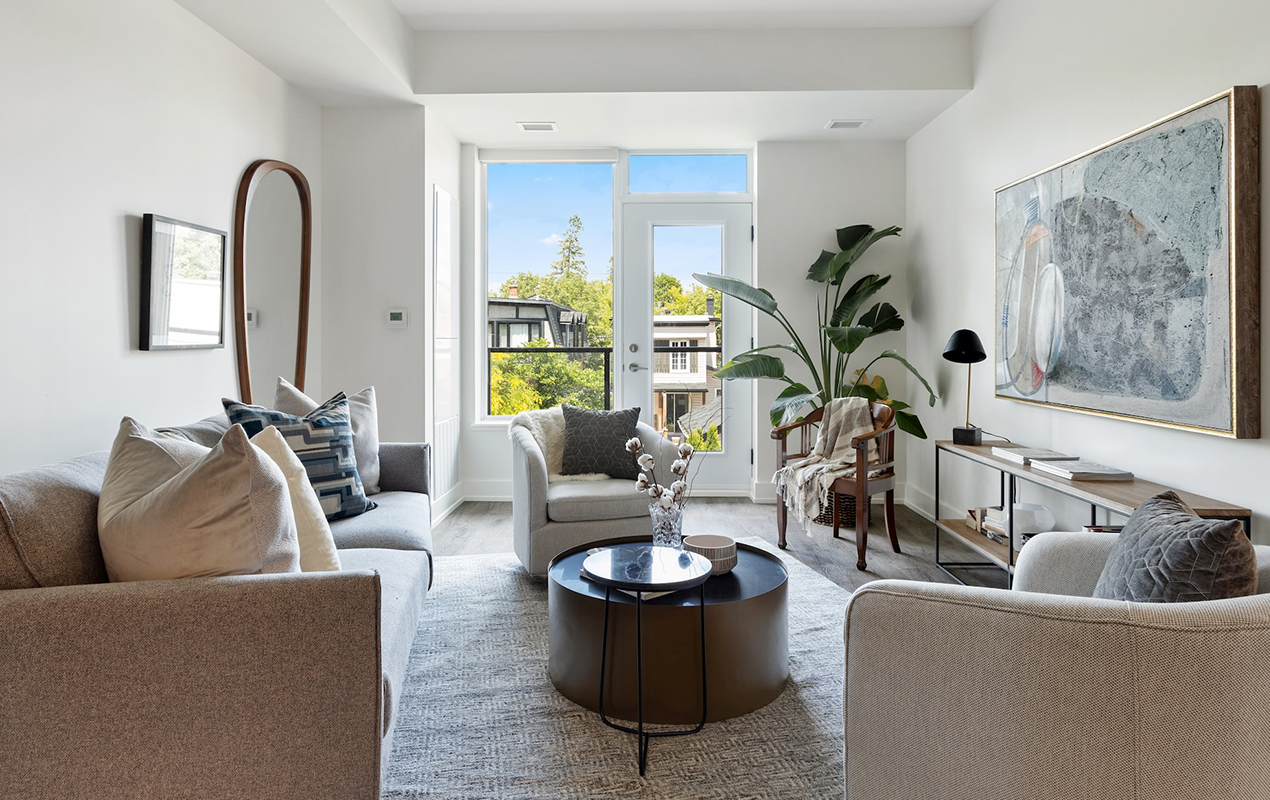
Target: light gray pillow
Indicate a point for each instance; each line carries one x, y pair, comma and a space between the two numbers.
363, 416
173, 509
1168, 554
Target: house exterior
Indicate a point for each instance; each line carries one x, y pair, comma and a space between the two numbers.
684, 383
515, 321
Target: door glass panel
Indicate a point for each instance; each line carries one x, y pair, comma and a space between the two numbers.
687, 335
677, 174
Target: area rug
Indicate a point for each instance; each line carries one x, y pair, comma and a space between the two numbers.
479, 717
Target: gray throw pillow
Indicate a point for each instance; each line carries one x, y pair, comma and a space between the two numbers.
595, 441
1168, 554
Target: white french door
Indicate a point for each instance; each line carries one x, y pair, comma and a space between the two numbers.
673, 333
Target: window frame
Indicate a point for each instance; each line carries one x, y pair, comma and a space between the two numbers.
620, 160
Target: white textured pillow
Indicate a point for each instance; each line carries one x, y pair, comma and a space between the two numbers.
166, 512
363, 417
317, 545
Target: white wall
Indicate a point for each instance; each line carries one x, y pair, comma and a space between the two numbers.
520, 61
442, 397
375, 213
1053, 80
806, 191
113, 110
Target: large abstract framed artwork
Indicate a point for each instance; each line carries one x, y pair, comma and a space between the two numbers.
1128, 278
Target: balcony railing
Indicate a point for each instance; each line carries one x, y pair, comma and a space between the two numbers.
576, 354
603, 356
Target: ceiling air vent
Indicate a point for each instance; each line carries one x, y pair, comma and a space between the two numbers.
536, 126
846, 124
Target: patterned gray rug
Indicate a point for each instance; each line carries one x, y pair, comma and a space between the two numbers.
479, 717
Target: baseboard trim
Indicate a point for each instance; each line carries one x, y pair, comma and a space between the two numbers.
924, 502
487, 491
445, 505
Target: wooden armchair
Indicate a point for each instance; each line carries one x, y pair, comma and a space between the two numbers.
861, 487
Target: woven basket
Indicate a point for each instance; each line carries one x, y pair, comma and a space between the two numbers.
846, 511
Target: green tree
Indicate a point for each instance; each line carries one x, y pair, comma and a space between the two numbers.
569, 284
572, 261
667, 292
528, 380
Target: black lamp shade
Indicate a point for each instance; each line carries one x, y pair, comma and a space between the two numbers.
964, 347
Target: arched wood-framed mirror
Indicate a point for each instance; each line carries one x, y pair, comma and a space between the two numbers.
269, 240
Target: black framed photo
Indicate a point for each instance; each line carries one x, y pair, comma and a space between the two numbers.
182, 285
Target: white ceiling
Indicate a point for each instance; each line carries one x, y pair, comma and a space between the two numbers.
686, 120
544, 15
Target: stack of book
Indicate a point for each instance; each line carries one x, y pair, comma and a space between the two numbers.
1026, 455
991, 522
1082, 471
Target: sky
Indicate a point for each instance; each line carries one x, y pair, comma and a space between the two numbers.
529, 206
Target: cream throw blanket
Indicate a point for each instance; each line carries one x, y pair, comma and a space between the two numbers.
547, 428
803, 485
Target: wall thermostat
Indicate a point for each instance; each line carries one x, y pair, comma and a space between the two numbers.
253, 319
398, 319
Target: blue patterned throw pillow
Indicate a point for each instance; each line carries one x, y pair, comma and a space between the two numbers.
323, 441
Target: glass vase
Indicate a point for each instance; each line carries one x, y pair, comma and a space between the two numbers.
667, 525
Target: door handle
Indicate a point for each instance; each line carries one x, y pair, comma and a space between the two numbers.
635, 367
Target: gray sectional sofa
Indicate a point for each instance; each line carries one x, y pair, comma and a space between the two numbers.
279, 686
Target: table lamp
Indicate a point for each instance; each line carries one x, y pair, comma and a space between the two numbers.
964, 347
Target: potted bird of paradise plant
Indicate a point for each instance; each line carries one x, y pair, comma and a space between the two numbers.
844, 324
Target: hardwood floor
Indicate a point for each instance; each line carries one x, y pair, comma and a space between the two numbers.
482, 527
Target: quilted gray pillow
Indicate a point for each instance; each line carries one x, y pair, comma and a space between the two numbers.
1168, 554
595, 441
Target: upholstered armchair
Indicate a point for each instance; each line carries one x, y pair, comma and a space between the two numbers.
1042, 692
551, 516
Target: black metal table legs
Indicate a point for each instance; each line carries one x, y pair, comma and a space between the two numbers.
646, 736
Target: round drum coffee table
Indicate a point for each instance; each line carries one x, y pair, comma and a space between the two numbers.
746, 647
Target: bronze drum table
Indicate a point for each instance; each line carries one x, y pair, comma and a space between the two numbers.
746, 644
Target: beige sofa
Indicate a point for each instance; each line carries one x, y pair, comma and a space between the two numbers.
1043, 693
551, 517
260, 686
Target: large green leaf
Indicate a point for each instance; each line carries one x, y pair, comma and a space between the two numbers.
843, 261
891, 354
759, 298
788, 347
867, 392
821, 270
882, 318
787, 404
852, 235
849, 339
752, 366
910, 424
856, 297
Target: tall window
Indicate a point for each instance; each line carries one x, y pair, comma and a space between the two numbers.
549, 244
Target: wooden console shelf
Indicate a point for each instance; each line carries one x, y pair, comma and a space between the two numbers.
1116, 497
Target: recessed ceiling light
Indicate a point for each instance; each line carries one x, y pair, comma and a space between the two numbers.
846, 124
536, 126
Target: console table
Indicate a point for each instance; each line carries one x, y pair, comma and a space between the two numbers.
1115, 497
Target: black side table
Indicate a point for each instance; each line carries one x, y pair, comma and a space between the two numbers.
641, 568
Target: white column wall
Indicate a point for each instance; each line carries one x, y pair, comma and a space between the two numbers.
1053, 80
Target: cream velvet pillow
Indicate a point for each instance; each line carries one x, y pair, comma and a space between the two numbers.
317, 545
362, 416
168, 512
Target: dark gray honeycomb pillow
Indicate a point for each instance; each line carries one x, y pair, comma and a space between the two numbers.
595, 441
1168, 554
